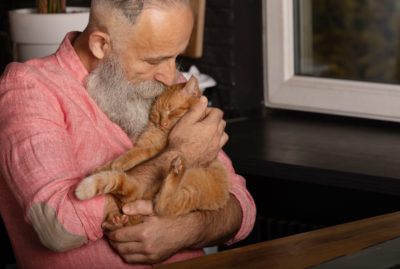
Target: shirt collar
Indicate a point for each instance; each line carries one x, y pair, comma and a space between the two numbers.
69, 60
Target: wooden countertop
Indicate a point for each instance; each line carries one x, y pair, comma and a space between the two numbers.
302, 250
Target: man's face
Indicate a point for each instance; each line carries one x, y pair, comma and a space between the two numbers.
126, 82
157, 38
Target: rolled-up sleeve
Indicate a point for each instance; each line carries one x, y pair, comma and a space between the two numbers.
239, 190
40, 167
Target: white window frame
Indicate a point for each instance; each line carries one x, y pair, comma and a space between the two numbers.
284, 89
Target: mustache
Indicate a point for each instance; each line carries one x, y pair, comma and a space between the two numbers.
125, 103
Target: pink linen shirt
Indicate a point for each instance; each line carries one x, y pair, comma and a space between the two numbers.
52, 134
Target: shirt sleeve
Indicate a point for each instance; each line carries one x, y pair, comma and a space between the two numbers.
39, 166
239, 190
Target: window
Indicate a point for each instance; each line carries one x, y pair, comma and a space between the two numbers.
330, 56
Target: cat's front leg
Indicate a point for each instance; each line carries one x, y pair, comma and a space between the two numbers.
133, 157
127, 160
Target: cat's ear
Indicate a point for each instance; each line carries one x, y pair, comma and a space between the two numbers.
192, 87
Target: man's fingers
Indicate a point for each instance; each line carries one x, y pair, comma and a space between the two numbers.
139, 207
197, 111
221, 127
214, 115
125, 234
125, 248
131, 252
224, 139
136, 258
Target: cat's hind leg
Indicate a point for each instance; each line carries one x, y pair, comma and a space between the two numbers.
114, 182
198, 189
169, 186
104, 167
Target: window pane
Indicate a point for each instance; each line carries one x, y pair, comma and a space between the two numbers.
348, 39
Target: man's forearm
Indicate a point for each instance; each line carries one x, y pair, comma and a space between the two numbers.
215, 227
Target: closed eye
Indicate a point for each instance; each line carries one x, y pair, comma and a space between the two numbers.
153, 62
157, 60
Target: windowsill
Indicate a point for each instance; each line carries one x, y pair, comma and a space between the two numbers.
323, 149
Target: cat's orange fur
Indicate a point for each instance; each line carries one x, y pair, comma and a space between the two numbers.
185, 189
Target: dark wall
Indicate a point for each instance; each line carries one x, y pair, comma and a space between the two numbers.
232, 52
232, 55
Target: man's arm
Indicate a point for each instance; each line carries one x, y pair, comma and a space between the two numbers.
215, 227
40, 167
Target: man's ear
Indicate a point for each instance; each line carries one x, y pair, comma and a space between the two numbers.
99, 44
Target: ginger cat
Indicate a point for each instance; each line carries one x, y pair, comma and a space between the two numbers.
184, 189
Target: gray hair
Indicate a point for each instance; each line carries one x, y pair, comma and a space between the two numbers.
131, 9
110, 16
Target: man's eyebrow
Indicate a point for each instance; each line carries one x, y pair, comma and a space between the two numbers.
158, 59
162, 58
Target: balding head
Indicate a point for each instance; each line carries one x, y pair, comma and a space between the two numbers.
113, 21
108, 15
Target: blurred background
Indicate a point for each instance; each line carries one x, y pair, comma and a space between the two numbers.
232, 52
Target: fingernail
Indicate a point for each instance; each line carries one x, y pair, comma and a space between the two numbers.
126, 209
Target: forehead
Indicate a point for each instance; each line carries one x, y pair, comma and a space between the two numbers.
162, 31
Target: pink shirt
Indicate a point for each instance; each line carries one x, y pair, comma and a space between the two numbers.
52, 134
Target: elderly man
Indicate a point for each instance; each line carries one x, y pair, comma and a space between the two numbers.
65, 114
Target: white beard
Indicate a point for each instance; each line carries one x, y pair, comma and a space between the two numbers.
126, 104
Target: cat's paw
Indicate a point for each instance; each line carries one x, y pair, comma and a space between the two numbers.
178, 166
115, 221
87, 188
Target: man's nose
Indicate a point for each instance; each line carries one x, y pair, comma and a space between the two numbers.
166, 72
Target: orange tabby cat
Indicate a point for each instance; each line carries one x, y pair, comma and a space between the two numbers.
185, 189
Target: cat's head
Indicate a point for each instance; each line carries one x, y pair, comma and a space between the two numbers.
174, 102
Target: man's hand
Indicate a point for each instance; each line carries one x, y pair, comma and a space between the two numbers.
158, 238
199, 135
152, 241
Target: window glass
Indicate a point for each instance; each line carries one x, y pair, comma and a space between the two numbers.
348, 39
